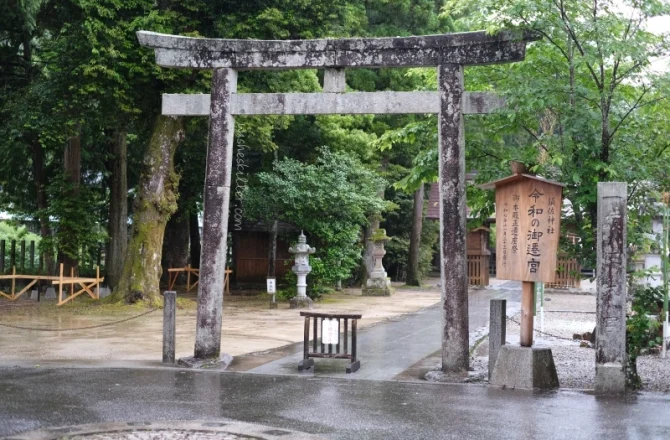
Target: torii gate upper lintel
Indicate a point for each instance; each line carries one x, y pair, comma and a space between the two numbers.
447, 52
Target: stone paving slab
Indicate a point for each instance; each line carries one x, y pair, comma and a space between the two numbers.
392, 347
331, 408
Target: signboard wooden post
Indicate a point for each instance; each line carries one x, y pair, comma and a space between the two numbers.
528, 220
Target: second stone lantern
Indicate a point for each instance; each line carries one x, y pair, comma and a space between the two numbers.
378, 283
301, 268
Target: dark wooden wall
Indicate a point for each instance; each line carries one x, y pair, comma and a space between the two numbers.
251, 257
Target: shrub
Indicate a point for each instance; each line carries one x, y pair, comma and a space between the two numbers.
642, 330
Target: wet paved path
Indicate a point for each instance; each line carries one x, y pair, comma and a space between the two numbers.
332, 408
389, 348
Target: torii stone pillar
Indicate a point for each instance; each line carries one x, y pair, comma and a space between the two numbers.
448, 53
215, 220
453, 255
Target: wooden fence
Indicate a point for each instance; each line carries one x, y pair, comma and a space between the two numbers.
478, 270
91, 286
568, 274
26, 257
193, 275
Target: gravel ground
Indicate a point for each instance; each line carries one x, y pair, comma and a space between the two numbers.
575, 365
161, 435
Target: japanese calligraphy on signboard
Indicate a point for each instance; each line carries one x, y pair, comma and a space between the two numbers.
528, 216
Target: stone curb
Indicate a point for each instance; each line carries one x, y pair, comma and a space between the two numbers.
239, 428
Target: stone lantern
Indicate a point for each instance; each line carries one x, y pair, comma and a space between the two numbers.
301, 268
378, 283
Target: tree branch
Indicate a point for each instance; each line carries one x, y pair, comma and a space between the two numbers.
630, 110
537, 139
568, 28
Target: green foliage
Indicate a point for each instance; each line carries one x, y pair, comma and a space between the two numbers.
398, 224
330, 200
314, 291
9, 232
647, 299
642, 330
578, 107
72, 211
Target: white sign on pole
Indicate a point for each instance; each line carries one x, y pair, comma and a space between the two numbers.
272, 286
330, 331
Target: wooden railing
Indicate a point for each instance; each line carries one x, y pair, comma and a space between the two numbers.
478, 270
333, 346
90, 286
193, 278
568, 274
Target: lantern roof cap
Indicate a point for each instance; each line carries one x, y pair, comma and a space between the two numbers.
515, 178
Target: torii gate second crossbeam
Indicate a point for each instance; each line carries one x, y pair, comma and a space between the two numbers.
448, 53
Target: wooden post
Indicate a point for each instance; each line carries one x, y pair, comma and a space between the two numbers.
32, 255
354, 336
527, 289
339, 328
72, 283
97, 281
13, 280
188, 278
60, 285
2, 256
323, 347
346, 336
23, 256
306, 339
12, 254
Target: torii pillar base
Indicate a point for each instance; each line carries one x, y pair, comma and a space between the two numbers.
525, 368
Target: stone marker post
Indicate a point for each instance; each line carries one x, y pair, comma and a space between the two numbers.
169, 326
497, 330
611, 301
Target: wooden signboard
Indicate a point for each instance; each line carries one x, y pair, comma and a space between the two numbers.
528, 224
528, 220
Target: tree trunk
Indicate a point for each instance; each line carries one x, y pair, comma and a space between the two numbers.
72, 168
413, 275
40, 189
156, 201
272, 249
118, 210
194, 231
175, 241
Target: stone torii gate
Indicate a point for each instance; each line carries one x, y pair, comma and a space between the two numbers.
448, 53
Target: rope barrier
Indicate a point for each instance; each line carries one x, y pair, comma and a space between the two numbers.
509, 318
54, 329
